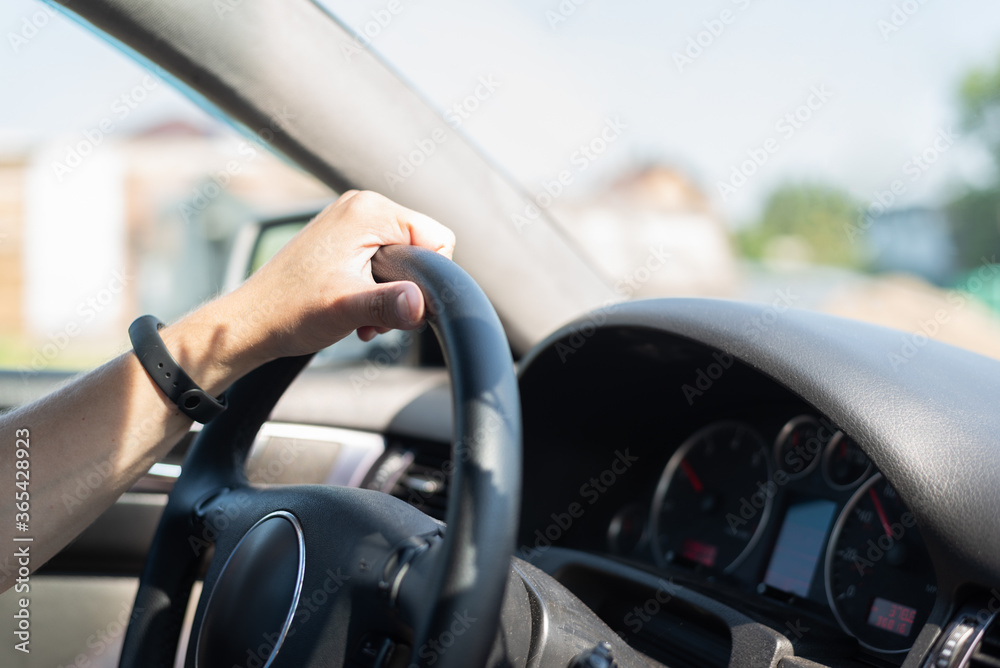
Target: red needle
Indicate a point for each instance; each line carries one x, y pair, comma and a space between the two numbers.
881, 512
692, 476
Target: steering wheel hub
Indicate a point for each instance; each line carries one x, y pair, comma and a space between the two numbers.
252, 605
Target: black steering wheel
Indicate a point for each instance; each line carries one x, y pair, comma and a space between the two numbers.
312, 575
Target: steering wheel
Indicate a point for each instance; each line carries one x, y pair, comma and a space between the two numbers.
312, 575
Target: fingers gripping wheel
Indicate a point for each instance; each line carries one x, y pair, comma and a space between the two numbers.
484, 501
347, 536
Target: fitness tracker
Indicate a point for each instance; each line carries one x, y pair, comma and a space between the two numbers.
168, 375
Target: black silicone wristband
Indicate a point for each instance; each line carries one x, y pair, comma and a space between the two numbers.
168, 375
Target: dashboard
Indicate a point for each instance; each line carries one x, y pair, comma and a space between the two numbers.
749, 523
743, 492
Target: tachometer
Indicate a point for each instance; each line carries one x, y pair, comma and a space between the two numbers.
799, 445
879, 577
845, 464
713, 498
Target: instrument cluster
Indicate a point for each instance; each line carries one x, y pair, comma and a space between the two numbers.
802, 516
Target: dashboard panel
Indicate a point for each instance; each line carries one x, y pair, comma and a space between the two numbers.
743, 491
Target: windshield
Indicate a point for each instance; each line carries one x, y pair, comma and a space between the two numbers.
839, 157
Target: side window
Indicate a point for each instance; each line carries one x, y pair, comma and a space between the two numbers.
118, 196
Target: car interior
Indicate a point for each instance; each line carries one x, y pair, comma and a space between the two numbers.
678, 482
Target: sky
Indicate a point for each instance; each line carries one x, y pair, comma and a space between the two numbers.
700, 87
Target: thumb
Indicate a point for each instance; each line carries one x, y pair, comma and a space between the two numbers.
398, 305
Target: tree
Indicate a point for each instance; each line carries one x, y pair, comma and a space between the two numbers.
974, 214
974, 218
812, 213
979, 97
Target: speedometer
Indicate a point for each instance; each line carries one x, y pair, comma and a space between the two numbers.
713, 498
879, 577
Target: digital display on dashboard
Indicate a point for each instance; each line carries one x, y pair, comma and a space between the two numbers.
799, 546
698, 552
893, 617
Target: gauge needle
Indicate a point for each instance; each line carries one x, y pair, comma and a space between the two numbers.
692, 476
881, 512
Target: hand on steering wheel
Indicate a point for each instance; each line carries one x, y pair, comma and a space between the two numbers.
387, 575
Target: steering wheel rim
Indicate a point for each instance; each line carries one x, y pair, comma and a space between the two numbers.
462, 573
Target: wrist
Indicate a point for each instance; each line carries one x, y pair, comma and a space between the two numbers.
212, 347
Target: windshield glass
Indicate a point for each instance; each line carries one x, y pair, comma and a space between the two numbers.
839, 158
835, 157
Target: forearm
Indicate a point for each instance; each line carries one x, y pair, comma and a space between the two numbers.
92, 439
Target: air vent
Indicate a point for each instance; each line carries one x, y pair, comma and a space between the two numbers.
986, 653
417, 472
971, 640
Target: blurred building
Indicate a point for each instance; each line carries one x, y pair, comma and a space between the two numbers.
628, 228
915, 240
90, 235
11, 226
